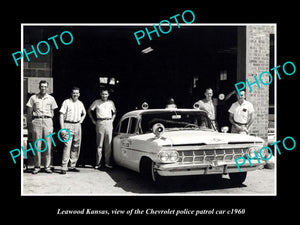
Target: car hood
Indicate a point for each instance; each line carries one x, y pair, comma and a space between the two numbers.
185, 137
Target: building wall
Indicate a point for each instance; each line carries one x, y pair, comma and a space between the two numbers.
257, 61
36, 67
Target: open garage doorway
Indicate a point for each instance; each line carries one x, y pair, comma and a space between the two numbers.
181, 65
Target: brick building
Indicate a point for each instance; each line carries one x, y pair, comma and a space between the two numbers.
257, 61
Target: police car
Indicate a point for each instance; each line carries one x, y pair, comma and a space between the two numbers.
180, 142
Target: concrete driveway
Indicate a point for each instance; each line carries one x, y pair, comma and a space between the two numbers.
120, 181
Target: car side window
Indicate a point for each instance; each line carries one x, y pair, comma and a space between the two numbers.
133, 124
124, 125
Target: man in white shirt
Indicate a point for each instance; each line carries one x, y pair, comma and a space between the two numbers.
241, 114
209, 104
72, 114
40, 108
105, 113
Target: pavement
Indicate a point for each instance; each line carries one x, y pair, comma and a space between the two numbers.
121, 181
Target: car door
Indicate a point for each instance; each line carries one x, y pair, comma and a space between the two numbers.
132, 153
119, 142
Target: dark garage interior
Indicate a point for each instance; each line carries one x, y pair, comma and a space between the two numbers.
182, 64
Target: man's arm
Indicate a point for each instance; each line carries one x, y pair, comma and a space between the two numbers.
83, 115
113, 116
61, 121
29, 118
233, 123
113, 111
29, 114
250, 121
91, 116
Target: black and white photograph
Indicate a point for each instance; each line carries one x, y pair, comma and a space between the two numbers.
150, 111
162, 117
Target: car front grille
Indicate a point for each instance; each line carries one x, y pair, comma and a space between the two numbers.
202, 156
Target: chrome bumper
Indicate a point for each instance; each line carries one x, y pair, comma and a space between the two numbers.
216, 167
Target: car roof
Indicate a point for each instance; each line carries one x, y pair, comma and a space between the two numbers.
136, 113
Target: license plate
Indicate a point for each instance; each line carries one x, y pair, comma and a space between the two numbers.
216, 163
216, 169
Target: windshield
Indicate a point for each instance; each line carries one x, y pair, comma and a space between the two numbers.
176, 120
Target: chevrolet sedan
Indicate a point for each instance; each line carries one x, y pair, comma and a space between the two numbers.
180, 142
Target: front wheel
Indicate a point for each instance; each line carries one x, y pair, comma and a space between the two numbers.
148, 170
238, 178
155, 177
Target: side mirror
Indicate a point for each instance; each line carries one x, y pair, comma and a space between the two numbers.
224, 129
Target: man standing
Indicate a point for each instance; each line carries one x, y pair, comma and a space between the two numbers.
40, 108
241, 114
105, 113
209, 104
72, 114
171, 104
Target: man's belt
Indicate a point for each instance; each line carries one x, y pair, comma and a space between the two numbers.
240, 123
41, 117
103, 119
66, 121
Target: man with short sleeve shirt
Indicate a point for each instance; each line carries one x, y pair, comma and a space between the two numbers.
40, 109
105, 113
72, 114
209, 104
241, 115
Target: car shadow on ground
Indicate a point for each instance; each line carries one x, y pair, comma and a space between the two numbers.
133, 182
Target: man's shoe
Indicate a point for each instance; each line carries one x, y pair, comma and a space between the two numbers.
74, 170
35, 171
63, 172
48, 170
108, 166
97, 167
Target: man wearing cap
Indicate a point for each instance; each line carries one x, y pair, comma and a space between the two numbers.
40, 109
105, 113
72, 114
241, 114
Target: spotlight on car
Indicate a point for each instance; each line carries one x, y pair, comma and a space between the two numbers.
196, 105
145, 106
224, 129
158, 129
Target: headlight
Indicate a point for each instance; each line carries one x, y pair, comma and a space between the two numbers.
260, 153
252, 150
265, 154
168, 156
